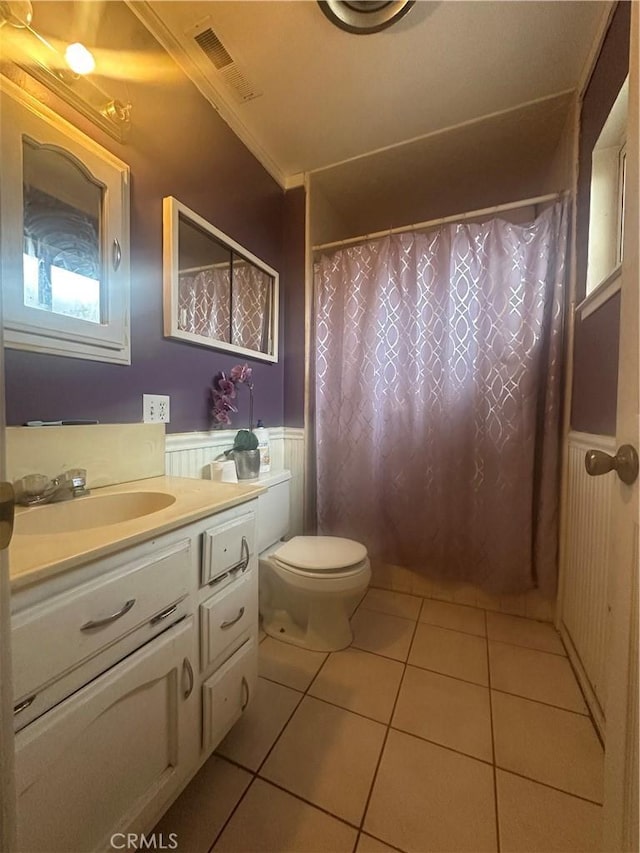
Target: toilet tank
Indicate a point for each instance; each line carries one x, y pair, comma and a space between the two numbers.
273, 509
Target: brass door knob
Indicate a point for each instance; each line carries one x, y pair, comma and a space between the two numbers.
624, 463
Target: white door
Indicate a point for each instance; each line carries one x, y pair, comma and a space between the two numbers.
621, 752
108, 758
7, 793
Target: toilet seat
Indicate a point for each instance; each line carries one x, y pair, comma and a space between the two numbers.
321, 555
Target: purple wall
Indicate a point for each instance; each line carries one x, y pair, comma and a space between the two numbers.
294, 268
595, 371
178, 146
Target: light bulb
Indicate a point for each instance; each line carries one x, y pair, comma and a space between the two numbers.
79, 59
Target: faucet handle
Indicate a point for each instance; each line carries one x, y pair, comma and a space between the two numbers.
77, 477
33, 489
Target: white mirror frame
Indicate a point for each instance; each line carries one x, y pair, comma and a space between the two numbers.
172, 209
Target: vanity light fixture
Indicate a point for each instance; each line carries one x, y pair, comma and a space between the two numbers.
64, 75
79, 59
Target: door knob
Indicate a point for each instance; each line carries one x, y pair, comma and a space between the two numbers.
624, 463
7, 507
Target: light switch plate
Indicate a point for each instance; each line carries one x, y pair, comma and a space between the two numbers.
156, 408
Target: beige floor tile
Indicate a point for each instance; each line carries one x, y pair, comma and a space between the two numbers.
451, 653
445, 710
524, 632
534, 817
429, 798
254, 734
287, 664
360, 682
367, 844
382, 633
454, 616
327, 756
442, 589
200, 812
270, 820
394, 603
535, 675
547, 744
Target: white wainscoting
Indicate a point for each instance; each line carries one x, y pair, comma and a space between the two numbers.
584, 609
189, 453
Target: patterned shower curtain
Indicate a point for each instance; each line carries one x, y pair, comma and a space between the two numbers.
438, 394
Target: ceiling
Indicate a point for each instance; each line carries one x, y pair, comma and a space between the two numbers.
326, 96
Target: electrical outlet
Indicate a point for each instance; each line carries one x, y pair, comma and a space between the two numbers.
155, 408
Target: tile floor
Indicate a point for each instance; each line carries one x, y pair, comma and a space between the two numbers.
443, 728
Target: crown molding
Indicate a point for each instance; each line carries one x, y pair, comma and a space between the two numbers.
145, 13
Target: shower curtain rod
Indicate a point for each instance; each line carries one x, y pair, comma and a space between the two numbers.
419, 226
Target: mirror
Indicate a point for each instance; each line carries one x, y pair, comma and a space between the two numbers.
62, 240
216, 293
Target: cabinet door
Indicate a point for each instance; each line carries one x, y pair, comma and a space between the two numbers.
100, 762
227, 693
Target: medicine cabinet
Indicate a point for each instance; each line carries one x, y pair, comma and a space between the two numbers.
65, 236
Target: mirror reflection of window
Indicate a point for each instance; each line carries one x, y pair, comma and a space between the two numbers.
62, 219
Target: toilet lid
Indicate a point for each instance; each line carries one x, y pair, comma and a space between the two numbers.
320, 553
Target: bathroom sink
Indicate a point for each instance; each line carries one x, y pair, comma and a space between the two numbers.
91, 511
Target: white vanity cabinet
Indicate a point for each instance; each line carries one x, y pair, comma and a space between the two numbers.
92, 766
129, 672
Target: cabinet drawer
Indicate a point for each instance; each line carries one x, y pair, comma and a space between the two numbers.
226, 694
58, 635
227, 547
225, 617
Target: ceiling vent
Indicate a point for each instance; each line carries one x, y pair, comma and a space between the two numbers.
227, 68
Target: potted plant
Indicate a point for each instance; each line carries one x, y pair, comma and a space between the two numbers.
224, 391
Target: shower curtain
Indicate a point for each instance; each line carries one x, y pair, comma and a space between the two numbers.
437, 395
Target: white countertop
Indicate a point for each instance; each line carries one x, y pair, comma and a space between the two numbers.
33, 558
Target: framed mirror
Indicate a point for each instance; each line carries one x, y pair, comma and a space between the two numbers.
216, 293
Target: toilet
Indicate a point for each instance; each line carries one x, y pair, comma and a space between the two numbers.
309, 585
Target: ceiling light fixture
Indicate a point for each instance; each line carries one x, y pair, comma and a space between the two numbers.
364, 16
64, 75
79, 59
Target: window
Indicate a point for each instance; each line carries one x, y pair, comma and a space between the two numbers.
606, 215
65, 261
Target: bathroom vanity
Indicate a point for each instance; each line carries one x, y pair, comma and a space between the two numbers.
135, 651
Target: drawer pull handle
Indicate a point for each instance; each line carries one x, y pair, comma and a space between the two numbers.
99, 623
22, 706
163, 615
233, 621
246, 691
186, 667
242, 564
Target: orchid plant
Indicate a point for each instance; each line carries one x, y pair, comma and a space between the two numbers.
224, 392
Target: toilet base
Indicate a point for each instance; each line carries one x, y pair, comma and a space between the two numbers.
309, 611
281, 626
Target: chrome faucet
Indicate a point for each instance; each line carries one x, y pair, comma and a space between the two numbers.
35, 489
